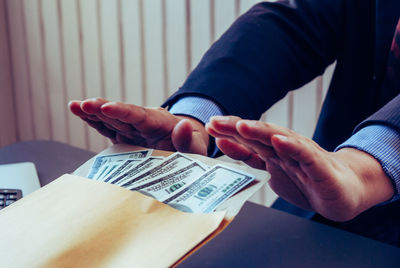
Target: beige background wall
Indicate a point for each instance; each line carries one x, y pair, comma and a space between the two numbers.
7, 111
138, 51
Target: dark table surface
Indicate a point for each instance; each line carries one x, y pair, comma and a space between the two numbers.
52, 159
265, 237
258, 236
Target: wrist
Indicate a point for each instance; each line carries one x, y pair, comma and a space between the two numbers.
373, 186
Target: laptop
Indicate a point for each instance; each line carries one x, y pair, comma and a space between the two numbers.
16, 181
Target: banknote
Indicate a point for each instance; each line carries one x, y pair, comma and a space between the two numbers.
209, 190
171, 164
99, 172
125, 165
165, 186
107, 169
137, 169
101, 160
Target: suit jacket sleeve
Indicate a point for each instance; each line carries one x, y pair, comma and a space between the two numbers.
388, 115
273, 48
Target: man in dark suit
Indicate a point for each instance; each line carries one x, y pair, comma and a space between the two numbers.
274, 48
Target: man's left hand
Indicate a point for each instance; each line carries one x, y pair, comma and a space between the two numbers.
338, 185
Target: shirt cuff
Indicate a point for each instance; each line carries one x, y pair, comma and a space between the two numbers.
383, 143
201, 109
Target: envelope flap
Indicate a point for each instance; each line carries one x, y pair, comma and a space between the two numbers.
76, 222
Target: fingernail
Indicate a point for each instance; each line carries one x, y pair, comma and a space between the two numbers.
250, 123
108, 104
281, 137
219, 118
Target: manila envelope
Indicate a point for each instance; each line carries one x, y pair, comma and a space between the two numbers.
76, 222
232, 206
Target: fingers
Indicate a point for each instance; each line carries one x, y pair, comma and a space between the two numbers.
226, 128
93, 121
129, 123
308, 155
148, 121
93, 109
240, 152
296, 154
92, 106
75, 108
224, 125
260, 131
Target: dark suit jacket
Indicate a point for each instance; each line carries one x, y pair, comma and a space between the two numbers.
277, 47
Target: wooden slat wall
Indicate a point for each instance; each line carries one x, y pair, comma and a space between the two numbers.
138, 51
7, 111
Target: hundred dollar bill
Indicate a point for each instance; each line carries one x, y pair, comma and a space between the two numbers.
100, 172
166, 186
171, 164
107, 169
209, 190
137, 169
104, 159
124, 165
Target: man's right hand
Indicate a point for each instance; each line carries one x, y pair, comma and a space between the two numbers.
148, 127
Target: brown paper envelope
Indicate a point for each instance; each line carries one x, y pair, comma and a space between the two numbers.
232, 206
76, 222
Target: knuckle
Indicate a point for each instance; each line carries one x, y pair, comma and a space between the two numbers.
268, 125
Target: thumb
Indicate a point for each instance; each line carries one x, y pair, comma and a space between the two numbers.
188, 140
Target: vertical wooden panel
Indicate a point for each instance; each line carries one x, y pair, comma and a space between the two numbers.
246, 4
121, 44
20, 71
225, 14
305, 108
57, 101
319, 95
7, 111
176, 42
132, 44
278, 113
153, 52
200, 28
212, 20
111, 49
90, 48
164, 48
188, 26
45, 67
237, 8
73, 69
36, 59
327, 77
290, 107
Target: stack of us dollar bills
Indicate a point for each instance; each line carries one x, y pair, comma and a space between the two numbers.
178, 180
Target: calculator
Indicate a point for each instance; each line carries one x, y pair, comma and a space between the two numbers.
17, 181
9, 196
